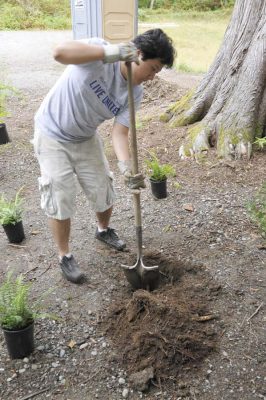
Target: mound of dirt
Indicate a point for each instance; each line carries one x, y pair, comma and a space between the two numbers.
165, 329
157, 89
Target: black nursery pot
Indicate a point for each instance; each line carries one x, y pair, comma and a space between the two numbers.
4, 138
20, 343
15, 233
159, 188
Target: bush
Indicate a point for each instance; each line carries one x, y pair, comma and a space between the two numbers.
29, 14
199, 5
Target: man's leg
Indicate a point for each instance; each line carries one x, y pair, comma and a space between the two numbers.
106, 234
95, 178
61, 233
57, 187
104, 218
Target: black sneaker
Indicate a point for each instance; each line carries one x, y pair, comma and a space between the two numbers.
71, 270
110, 238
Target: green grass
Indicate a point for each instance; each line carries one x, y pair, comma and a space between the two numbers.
197, 36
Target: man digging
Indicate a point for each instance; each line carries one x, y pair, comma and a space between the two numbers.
92, 89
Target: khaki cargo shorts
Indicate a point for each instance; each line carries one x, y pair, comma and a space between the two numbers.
62, 164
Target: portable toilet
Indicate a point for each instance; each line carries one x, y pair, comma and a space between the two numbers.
114, 20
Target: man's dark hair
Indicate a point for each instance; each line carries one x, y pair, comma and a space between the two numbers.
154, 43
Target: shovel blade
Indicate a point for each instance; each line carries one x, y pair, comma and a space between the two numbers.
141, 277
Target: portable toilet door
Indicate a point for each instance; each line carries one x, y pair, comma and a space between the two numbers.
86, 18
119, 20
114, 20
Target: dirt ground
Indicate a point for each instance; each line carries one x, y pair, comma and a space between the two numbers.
201, 334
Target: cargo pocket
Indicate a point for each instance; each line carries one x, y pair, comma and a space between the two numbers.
47, 200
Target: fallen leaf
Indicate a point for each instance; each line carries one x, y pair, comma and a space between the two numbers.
188, 207
71, 344
167, 228
35, 233
204, 318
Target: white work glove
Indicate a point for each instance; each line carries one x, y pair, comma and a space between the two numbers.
120, 52
131, 181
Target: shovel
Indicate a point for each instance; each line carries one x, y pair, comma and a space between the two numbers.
138, 275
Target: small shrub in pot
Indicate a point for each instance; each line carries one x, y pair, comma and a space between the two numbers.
17, 315
158, 174
11, 217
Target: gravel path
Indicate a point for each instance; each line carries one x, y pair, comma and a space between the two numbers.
203, 224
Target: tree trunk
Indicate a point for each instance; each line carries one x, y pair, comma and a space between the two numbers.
152, 4
230, 102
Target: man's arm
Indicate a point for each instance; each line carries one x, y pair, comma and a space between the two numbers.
76, 52
121, 148
120, 142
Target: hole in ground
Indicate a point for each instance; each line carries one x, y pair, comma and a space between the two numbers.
168, 328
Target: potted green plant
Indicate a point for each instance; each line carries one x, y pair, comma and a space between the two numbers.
4, 138
11, 217
158, 174
17, 316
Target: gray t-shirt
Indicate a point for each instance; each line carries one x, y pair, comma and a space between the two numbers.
83, 97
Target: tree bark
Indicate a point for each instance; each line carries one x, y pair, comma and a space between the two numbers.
152, 4
230, 102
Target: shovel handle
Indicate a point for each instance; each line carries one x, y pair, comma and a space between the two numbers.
134, 156
134, 146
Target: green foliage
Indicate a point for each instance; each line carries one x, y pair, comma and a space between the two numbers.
198, 5
260, 142
257, 209
183, 67
158, 172
5, 91
17, 310
29, 14
139, 124
144, 3
49, 14
142, 14
11, 210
